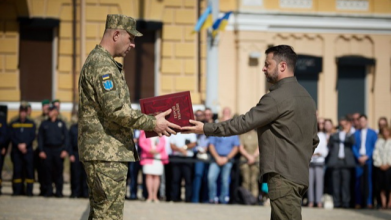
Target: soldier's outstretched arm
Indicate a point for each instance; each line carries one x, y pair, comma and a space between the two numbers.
111, 98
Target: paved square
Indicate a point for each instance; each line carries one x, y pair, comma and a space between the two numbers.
29, 208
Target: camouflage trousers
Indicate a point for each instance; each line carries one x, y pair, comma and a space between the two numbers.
250, 174
107, 187
285, 197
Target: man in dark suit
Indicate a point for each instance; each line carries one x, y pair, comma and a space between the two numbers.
285, 120
341, 161
365, 139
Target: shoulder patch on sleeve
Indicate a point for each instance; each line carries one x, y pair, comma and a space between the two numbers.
107, 82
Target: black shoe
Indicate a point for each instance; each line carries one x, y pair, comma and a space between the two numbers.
59, 195
133, 197
47, 195
16, 194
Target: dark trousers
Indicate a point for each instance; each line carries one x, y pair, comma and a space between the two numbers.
1, 168
341, 186
53, 171
23, 172
181, 170
235, 180
134, 168
168, 180
364, 185
285, 197
38, 165
78, 179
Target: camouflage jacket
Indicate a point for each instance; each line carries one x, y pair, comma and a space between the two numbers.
106, 119
38, 120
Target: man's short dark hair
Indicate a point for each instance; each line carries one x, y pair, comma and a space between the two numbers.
363, 116
349, 117
343, 118
283, 53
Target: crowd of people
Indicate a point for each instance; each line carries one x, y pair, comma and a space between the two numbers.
351, 163
40, 145
208, 167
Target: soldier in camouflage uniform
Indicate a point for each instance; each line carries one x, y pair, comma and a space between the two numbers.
249, 166
45, 111
106, 120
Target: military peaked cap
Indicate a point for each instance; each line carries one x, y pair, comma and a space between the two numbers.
116, 21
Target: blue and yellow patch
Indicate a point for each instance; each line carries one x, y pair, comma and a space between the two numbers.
108, 85
105, 77
107, 82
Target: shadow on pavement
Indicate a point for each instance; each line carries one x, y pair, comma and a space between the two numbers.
86, 213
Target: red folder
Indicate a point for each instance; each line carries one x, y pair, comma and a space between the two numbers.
179, 103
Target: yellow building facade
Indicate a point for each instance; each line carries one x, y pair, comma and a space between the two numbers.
333, 32
346, 43
177, 59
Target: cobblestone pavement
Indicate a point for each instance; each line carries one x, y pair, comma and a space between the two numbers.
29, 208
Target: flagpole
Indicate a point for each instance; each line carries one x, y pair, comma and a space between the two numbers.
212, 68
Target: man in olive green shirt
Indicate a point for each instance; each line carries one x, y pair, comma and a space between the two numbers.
106, 120
285, 120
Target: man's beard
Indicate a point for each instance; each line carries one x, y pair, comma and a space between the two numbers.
273, 78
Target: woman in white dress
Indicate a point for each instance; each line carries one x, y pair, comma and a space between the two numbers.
153, 156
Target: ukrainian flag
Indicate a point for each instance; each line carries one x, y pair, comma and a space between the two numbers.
107, 76
221, 23
205, 20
